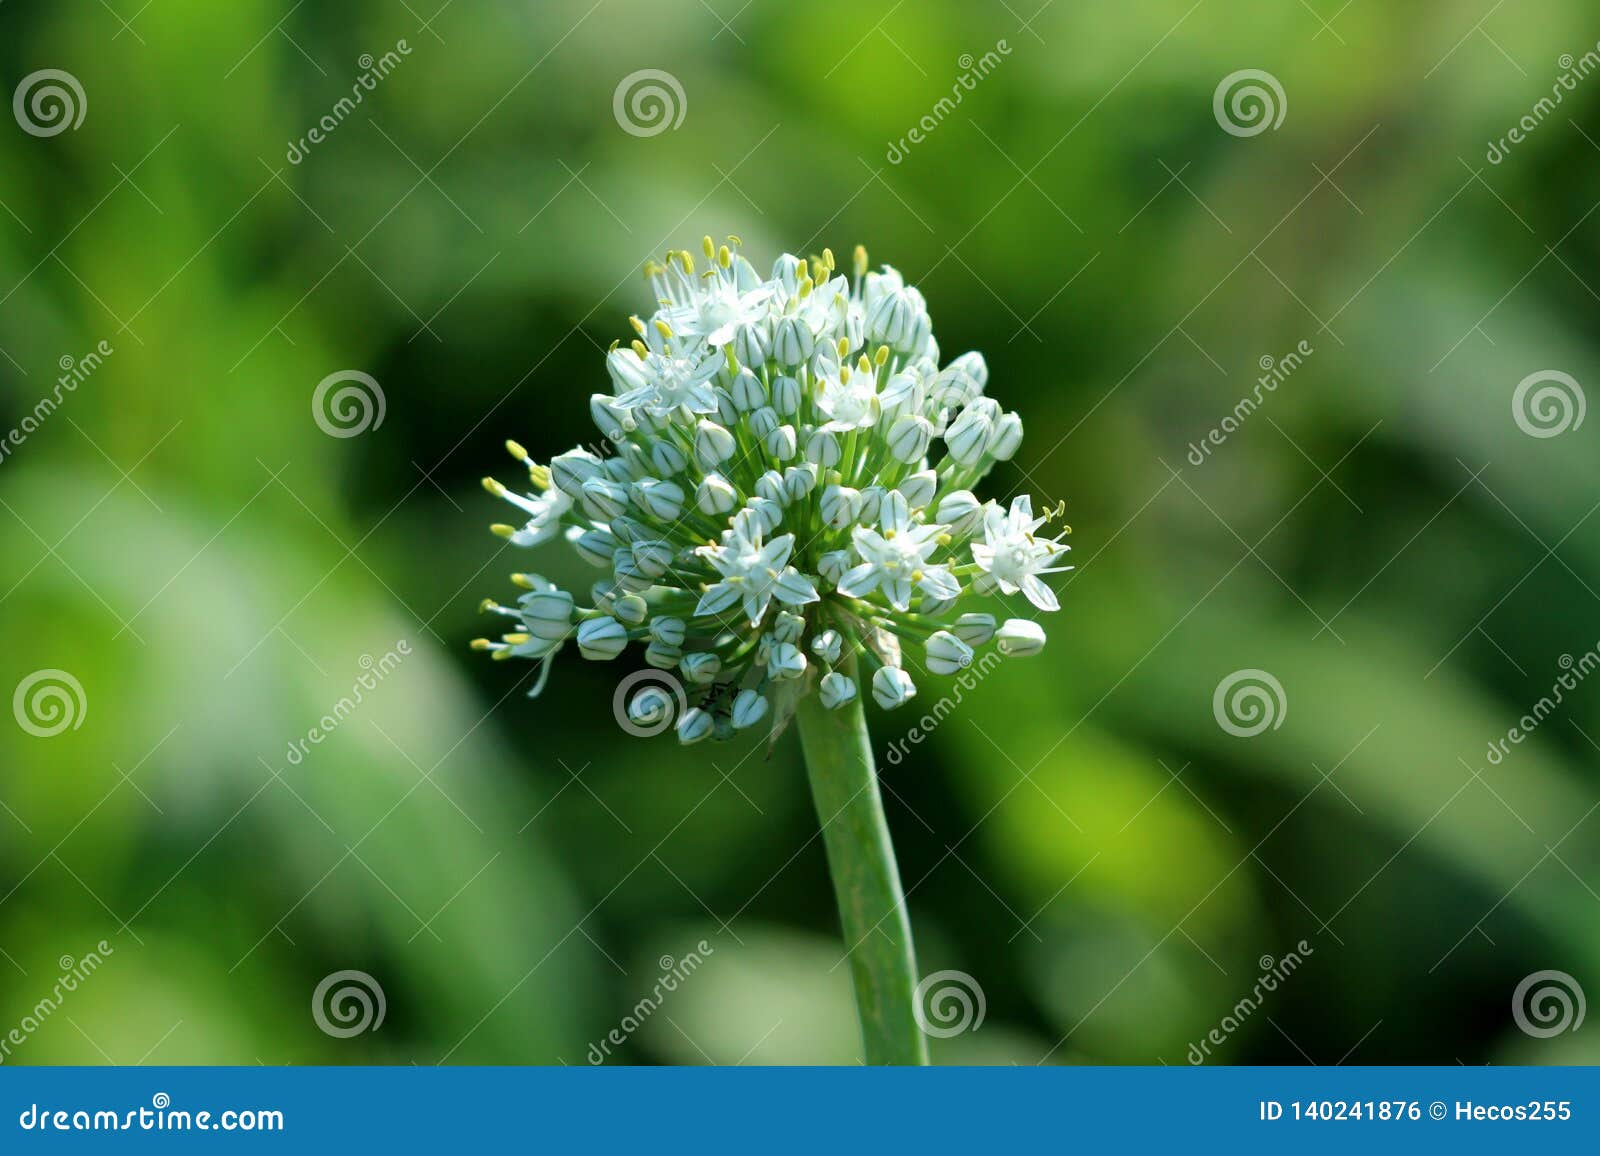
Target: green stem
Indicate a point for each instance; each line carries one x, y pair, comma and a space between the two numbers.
866, 882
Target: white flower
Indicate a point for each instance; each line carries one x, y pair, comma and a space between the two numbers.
1013, 557
753, 573
897, 560
783, 503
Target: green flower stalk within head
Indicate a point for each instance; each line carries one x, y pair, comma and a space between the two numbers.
787, 489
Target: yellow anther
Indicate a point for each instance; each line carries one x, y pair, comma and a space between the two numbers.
487, 605
515, 639
494, 487
640, 348
515, 450
735, 241
686, 259
501, 530
724, 256
827, 259
882, 356
481, 644
709, 246
663, 328
522, 580
539, 476
859, 260
638, 326
844, 347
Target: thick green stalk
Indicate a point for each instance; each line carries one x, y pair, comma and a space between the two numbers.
866, 882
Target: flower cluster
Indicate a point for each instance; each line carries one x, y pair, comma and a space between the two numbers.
786, 498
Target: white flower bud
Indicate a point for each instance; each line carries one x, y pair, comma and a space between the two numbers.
974, 629
836, 690
662, 656
902, 396
968, 436
570, 470
1019, 637
603, 499
607, 417
785, 662
823, 449
749, 708
919, 488
713, 444
668, 630
547, 614
770, 486
765, 512
909, 437
695, 725
700, 668
798, 481
596, 546
715, 496
1007, 437
961, 511
827, 646
947, 654
601, 639
630, 609
781, 443
841, 506
652, 558
792, 341
628, 370
752, 344
786, 395
663, 500
787, 627
891, 687
747, 391
667, 459
763, 421
872, 504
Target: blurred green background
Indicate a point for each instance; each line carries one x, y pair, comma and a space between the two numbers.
1081, 837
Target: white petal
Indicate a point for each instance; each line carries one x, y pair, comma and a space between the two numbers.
859, 581
1039, 594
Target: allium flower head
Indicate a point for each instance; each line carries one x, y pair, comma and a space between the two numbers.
785, 504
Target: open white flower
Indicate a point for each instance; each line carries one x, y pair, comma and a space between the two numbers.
785, 502
1013, 557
